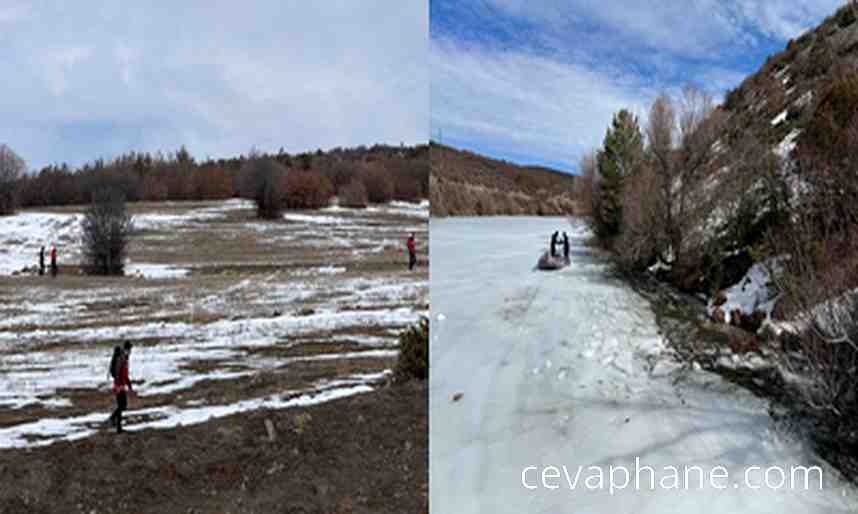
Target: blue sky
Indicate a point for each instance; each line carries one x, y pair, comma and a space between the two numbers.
95, 78
537, 81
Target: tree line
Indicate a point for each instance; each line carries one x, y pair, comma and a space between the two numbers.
362, 175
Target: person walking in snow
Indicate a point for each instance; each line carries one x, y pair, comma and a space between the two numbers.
554, 243
412, 252
42, 261
121, 383
54, 260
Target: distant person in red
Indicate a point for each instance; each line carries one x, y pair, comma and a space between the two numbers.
412, 253
121, 383
53, 260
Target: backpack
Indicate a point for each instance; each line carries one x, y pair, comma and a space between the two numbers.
114, 362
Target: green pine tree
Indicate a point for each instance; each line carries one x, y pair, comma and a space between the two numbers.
620, 155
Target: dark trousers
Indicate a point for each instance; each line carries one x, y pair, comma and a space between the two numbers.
121, 405
53, 269
412, 260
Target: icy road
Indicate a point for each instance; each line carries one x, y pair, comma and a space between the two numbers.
541, 382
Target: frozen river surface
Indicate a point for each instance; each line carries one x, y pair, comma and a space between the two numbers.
542, 378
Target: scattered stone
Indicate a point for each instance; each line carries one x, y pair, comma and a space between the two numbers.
269, 427
458, 396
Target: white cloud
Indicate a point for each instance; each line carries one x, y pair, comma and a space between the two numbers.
526, 104
93, 78
692, 28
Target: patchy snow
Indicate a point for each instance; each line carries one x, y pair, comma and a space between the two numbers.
804, 99
48, 430
322, 270
780, 118
787, 144
316, 219
752, 293
161, 221
22, 234
155, 271
55, 339
569, 369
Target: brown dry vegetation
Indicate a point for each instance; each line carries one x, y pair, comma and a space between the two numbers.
467, 184
363, 454
712, 197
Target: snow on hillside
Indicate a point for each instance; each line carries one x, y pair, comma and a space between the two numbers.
780, 118
752, 293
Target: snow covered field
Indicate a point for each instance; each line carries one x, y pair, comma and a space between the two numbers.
226, 313
533, 371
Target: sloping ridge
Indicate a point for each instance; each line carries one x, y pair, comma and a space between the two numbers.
464, 183
777, 101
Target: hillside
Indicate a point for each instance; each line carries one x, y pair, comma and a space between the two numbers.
750, 207
777, 101
466, 184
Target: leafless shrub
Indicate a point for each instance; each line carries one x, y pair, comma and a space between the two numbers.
262, 182
106, 228
683, 147
636, 244
585, 184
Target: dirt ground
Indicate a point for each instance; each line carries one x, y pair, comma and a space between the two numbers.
365, 453
233, 321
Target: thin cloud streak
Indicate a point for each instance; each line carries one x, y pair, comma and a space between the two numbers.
541, 80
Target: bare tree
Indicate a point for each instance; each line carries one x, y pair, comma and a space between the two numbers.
12, 169
106, 228
586, 184
262, 181
684, 148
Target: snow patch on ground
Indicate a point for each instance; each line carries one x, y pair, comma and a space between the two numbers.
804, 99
49, 430
155, 271
787, 144
752, 293
23, 234
780, 118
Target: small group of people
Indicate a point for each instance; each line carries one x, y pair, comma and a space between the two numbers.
554, 237
53, 256
121, 383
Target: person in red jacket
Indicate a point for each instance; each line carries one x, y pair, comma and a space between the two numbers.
54, 261
121, 384
412, 254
